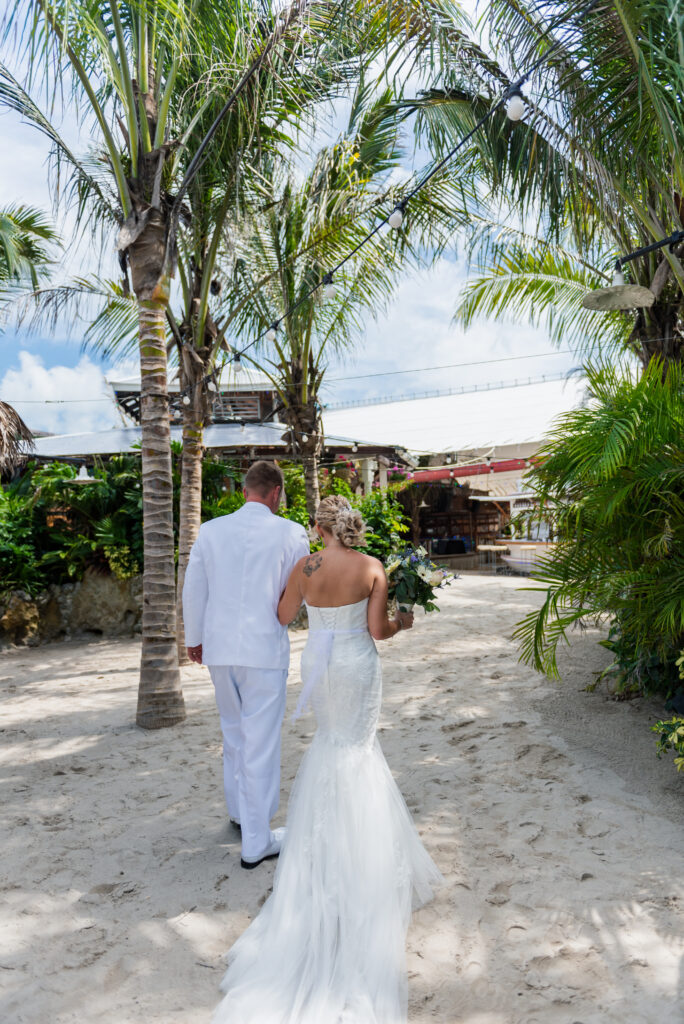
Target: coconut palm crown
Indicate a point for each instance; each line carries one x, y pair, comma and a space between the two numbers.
594, 170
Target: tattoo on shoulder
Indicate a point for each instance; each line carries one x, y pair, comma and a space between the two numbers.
312, 563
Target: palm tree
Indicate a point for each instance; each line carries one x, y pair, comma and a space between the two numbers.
154, 71
301, 232
594, 170
25, 237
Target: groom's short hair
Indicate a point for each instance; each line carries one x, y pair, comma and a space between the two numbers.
262, 477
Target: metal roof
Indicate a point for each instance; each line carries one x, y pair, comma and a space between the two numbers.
247, 379
127, 439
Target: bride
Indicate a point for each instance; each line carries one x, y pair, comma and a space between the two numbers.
329, 944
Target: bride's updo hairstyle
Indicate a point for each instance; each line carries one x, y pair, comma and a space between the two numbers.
337, 516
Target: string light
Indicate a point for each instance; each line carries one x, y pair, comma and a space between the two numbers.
186, 400
515, 104
211, 385
329, 286
396, 217
618, 276
237, 363
271, 333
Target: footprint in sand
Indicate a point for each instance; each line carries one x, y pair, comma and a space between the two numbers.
499, 895
590, 831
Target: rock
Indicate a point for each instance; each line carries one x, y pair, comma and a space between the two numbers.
105, 605
99, 604
20, 621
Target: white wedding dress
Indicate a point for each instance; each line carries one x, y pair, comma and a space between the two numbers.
328, 946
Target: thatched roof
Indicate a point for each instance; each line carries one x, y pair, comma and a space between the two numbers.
15, 438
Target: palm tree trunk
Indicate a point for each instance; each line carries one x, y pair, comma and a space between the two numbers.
160, 699
311, 485
190, 507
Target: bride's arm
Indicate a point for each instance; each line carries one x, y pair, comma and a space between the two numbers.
381, 627
291, 598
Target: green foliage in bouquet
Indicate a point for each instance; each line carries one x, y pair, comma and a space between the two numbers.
413, 578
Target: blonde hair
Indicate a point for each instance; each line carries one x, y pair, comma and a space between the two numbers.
337, 516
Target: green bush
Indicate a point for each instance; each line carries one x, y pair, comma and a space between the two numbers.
386, 521
671, 737
53, 529
612, 476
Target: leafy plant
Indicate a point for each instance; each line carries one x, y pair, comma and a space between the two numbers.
612, 477
671, 737
386, 522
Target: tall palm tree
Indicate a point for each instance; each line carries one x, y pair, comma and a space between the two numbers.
594, 170
146, 74
302, 231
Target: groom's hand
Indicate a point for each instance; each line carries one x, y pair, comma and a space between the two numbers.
195, 654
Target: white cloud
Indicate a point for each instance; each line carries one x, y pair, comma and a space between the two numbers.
87, 403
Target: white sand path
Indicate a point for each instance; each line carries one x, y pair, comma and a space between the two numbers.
558, 830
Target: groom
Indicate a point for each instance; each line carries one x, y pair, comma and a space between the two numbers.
238, 569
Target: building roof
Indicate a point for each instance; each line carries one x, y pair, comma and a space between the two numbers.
460, 422
247, 379
127, 439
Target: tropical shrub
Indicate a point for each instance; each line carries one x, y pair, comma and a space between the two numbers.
612, 477
386, 521
671, 737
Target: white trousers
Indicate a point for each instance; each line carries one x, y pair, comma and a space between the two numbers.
251, 704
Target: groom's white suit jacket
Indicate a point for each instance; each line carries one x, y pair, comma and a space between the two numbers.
238, 569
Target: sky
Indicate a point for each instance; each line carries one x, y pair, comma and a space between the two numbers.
411, 349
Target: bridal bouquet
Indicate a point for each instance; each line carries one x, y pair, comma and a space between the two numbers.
414, 578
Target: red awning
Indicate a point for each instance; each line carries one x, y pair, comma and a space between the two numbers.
446, 472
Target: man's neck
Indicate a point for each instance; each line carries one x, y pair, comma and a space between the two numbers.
258, 501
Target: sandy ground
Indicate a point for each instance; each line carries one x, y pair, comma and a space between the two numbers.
558, 831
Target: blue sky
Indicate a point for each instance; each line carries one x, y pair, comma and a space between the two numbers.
57, 387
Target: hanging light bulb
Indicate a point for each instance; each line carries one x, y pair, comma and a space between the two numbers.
305, 437
396, 217
237, 363
329, 288
355, 447
211, 386
271, 333
515, 105
186, 400
618, 276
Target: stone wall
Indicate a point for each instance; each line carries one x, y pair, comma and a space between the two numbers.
98, 605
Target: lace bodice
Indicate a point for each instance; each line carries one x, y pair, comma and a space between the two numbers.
347, 695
